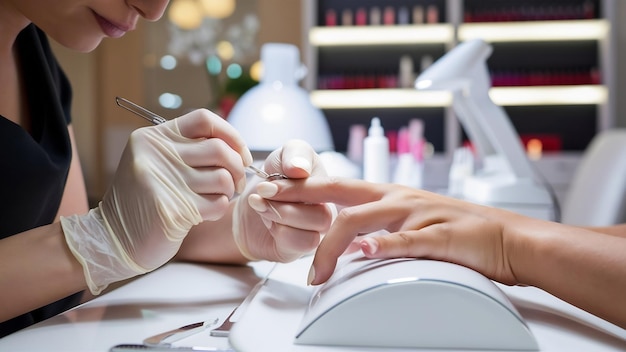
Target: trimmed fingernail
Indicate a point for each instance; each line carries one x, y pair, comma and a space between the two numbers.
241, 185
247, 157
311, 276
267, 189
369, 246
257, 204
301, 163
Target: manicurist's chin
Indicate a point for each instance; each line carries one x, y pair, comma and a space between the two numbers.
83, 46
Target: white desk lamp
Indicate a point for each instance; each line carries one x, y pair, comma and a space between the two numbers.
506, 177
277, 109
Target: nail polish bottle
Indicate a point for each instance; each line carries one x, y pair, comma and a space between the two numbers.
346, 18
406, 72
389, 16
356, 137
331, 18
403, 15
404, 170
432, 14
418, 14
360, 17
375, 16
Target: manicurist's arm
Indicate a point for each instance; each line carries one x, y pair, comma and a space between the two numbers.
170, 178
37, 268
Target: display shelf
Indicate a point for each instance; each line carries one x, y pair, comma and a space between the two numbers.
552, 61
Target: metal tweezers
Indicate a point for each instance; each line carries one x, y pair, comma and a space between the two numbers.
157, 120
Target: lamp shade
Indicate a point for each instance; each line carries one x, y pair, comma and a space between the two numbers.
277, 109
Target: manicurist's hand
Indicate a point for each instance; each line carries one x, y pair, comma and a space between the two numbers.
170, 178
281, 230
420, 224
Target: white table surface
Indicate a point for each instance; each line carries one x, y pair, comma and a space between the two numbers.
172, 296
180, 293
556, 325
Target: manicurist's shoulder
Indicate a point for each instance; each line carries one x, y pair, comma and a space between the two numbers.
36, 55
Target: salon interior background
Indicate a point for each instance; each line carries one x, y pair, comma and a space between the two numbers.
126, 67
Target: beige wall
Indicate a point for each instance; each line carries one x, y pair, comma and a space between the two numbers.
280, 21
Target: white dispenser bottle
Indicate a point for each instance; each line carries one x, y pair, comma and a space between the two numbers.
376, 154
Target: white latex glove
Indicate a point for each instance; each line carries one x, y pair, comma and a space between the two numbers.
170, 178
281, 231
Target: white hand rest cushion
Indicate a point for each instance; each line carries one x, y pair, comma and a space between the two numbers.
412, 303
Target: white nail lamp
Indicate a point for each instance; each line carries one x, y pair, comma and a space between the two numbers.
506, 178
277, 109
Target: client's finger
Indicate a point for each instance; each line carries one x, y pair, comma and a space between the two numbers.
350, 222
342, 191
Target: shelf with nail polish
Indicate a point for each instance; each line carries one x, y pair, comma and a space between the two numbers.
552, 64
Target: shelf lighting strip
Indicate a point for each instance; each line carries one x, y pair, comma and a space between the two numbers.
535, 30
504, 96
550, 95
367, 35
444, 33
378, 98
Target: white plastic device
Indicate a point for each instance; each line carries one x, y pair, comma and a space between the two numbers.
376, 154
278, 109
412, 303
506, 177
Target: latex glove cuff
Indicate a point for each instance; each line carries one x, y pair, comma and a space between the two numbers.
100, 253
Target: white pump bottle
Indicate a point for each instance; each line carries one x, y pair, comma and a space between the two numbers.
376, 154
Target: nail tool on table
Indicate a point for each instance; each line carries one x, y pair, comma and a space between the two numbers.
168, 337
129, 347
164, 340
224, 329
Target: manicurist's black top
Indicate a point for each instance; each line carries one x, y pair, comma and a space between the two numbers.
34, 163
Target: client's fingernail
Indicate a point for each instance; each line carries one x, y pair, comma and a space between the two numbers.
301, 163
369, 246
241, 185
311, 276
257, 203
267, 189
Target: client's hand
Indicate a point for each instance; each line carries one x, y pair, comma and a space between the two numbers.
281, 231
170, 177
421, 224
